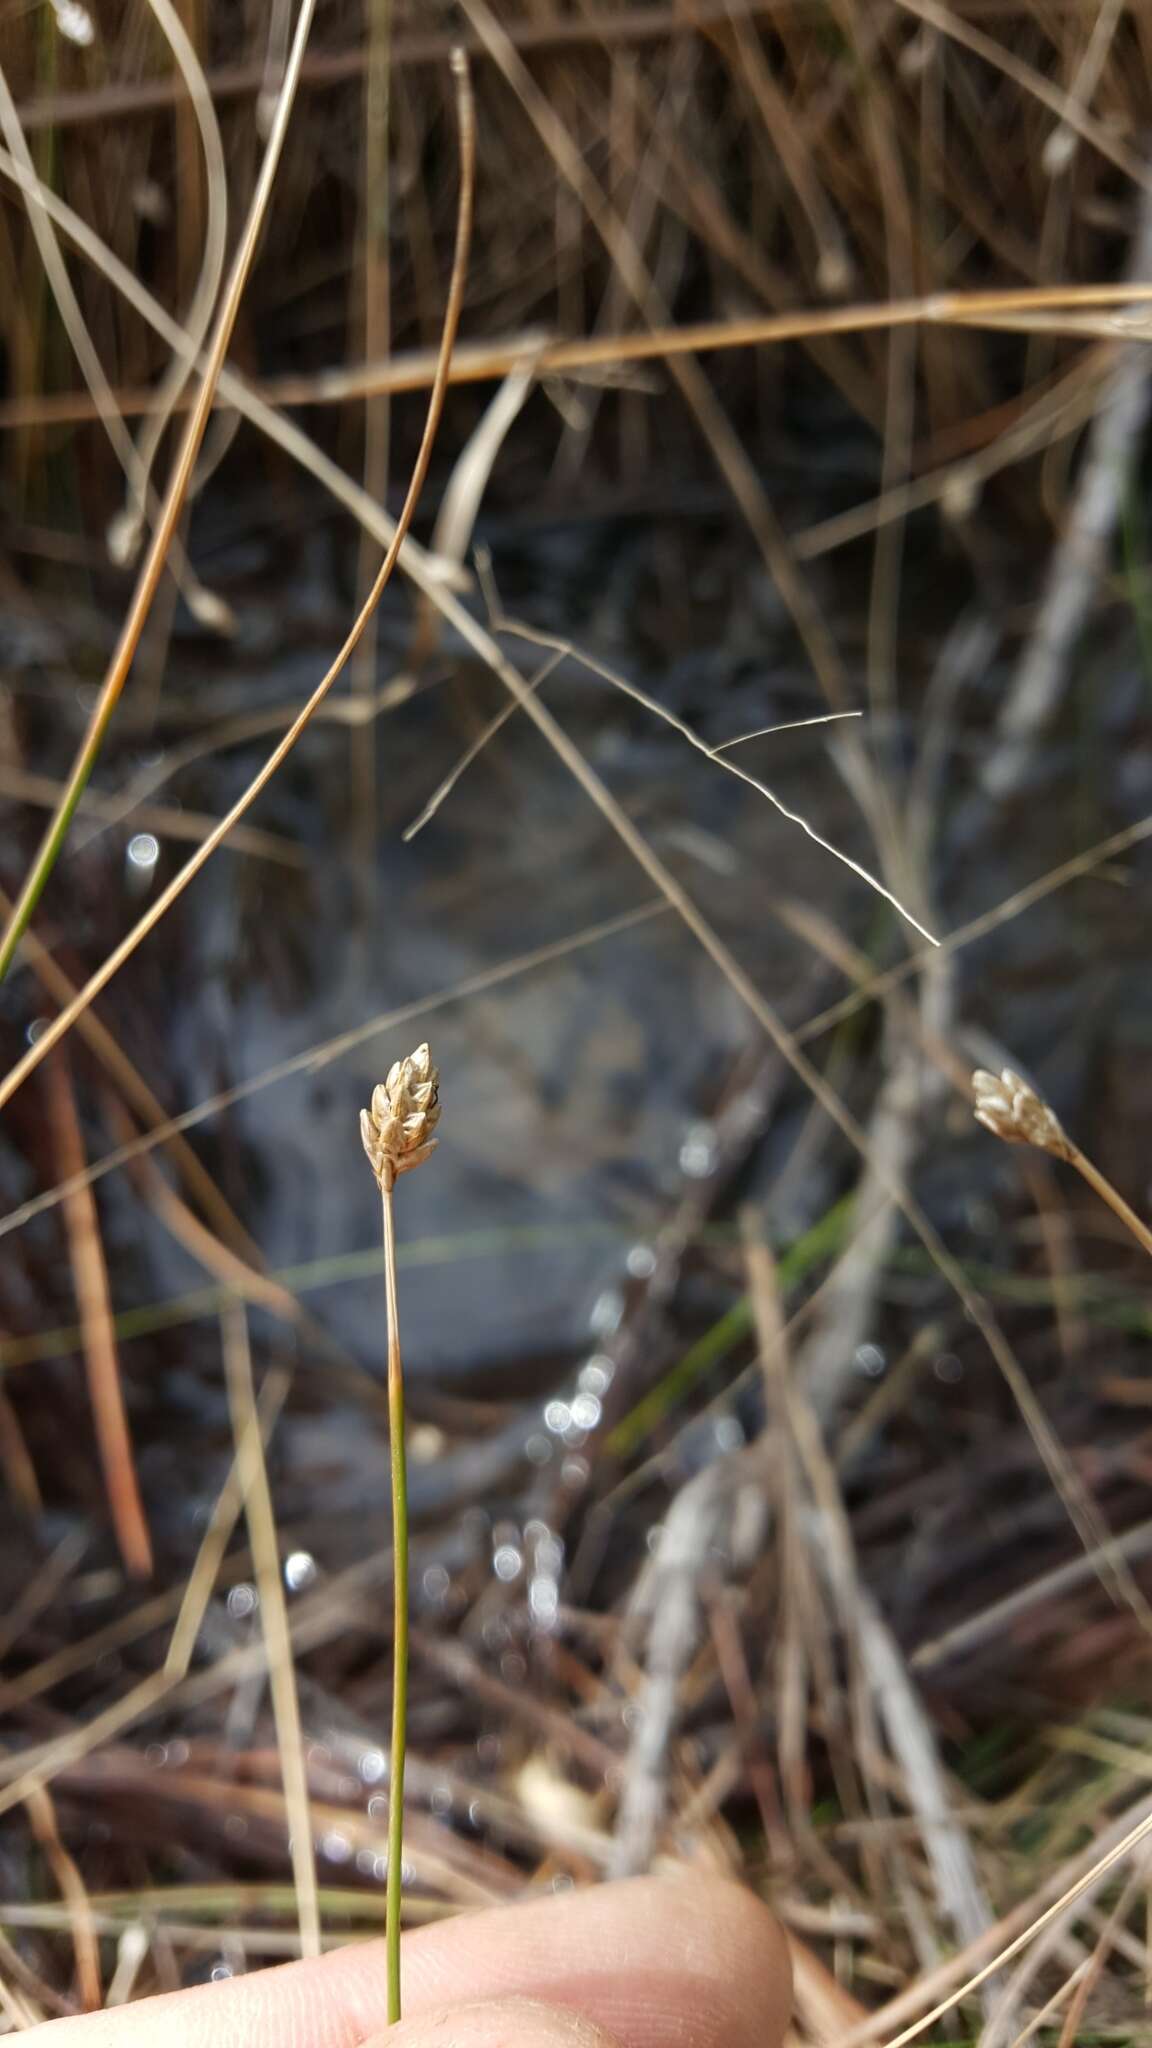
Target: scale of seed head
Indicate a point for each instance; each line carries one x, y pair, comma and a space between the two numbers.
1008, 1107
397, 1129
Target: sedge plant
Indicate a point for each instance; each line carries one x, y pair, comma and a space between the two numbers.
398, 1135
1010, 1108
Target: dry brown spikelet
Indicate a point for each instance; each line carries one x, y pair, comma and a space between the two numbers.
397, 1129
1011, 1109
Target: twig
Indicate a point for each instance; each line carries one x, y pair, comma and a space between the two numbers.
397, 1133
669, 1598
47, 1759
946, 1846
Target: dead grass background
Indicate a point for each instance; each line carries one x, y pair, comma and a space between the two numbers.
887, 1664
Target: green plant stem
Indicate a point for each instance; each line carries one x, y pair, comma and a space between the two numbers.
398, 1747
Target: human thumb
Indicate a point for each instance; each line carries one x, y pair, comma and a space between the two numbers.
495, 2023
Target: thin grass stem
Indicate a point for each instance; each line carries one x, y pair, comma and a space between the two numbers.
1115, 1200
397, 1750
397, 1134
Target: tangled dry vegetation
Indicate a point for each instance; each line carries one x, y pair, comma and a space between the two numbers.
824, 1560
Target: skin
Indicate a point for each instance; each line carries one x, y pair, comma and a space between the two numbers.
676, 1962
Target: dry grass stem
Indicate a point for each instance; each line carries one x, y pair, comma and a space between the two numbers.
314, 1057
252, 1474
101, 1356
111, 966
166, 524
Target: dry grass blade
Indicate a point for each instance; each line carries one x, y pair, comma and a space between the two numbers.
315, 1056
252, 1473
16, 1461
25, 1772
668, 1598
135, 1090
1009, 907
127, 531
1136, 1542
42, 791
18, 1074
83, 346
42, 1815
1080, 558
1064, 105
100, 1354
40, 1590
1082, 1512
488, 732
947, 1848
174, 497
718, 754
282, 431
1122, 314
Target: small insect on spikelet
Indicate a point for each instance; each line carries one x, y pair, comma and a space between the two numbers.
1008, 1107
398, 1134
397, 1130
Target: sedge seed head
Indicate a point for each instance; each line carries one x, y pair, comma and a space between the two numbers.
398, 1128
1010, 1108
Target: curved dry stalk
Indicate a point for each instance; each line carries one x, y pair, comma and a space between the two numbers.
153, 566
283, 432
126, 532
716, 754
83, 347
112, 965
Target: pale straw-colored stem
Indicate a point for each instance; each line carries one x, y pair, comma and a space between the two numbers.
1115, 1200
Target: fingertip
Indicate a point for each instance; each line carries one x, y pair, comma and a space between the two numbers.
746, 1946
496, 2023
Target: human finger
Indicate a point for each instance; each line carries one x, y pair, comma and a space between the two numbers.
657, 1962
497, 2023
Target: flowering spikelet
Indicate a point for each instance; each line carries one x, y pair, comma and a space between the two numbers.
397, 1130
1008, 1107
